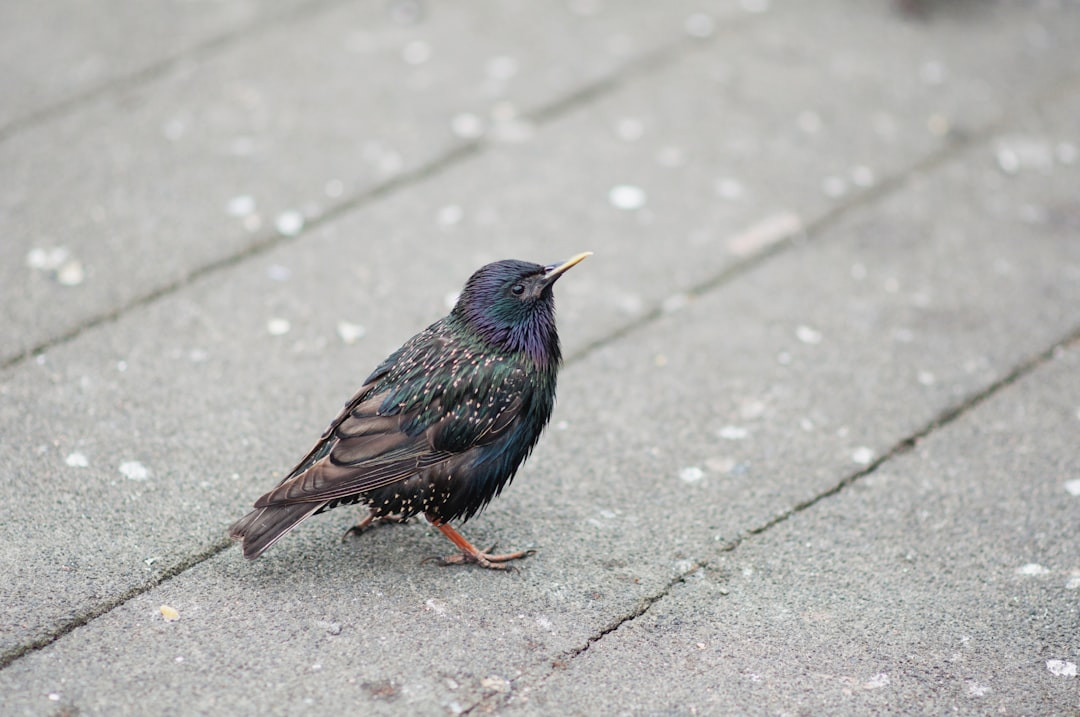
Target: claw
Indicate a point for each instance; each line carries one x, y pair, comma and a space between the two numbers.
470, 554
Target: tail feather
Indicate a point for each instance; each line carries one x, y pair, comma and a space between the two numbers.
263, 527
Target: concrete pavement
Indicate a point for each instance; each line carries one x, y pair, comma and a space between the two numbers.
815, 447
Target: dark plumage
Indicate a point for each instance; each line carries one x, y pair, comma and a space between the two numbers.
442, 425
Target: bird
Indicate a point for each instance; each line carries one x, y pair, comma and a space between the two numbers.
442, 425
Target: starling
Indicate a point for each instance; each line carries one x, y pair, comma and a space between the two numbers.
442, 425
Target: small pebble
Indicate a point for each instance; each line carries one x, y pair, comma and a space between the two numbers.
1032, 569
1061, 668
350, 333
46, 259
467, 125
877, 681
733, 433
862, 455
332, 628
77, 460
71, 273
808, 335
133, 470
278, 326
626, 196
691, 474
495, 684
240, 206
289, 223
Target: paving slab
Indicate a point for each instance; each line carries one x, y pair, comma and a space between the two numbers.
818, 367
812, 365
175, 382
943, 582
53, 54
151, 178
229, 152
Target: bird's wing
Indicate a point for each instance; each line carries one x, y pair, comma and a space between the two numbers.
371, 444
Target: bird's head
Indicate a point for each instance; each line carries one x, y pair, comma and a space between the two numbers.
510, 305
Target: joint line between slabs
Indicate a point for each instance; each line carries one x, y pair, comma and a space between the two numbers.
960, 142
642, 607
451, 157
942, 420
553, 111
638, 67
148, 73
96, 611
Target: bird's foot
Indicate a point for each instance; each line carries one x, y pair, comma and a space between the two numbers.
371, 521
484, 558
470, 554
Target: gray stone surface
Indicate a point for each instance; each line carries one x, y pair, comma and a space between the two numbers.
55, 54
159, 180
854, 225
943, 582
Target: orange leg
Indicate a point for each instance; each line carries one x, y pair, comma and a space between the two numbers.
470, 554
370, 522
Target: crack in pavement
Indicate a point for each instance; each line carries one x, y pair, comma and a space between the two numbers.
95, 611
886, 186
493, 700
640, 66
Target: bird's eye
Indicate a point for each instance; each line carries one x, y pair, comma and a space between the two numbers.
518, 289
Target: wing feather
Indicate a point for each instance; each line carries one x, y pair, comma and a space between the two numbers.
376, 441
